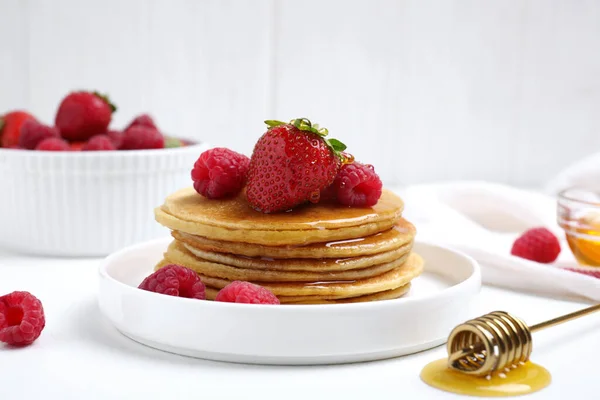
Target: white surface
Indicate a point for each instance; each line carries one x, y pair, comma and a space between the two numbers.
81, 356
87, 203
483, 220
441, 298
436, 86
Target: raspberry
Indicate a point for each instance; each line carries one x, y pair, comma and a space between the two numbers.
175, 280
357, 185
537, 244
21, 318
99, 143
53, 144
220, 172
142, 120
140, 137
116, 137
32, 133
246, 292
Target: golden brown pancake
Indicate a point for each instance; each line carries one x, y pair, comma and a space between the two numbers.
398, 237
178, 254
389, 280
211, 294
320, 265
235, 221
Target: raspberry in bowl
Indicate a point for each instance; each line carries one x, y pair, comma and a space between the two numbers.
70, 188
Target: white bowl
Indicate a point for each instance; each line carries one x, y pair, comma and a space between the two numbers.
289, 334
87, 203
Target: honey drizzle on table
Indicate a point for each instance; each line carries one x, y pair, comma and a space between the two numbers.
516, 381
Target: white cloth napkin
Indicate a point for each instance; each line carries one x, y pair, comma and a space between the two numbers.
483, 219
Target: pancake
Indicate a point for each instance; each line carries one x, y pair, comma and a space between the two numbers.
178, 254
322, 265
399, 236
389, 280
235, 221
385, 295
211, 294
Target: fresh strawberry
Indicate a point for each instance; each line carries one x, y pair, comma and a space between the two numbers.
82, 115
142, 120
10, 127
291, 164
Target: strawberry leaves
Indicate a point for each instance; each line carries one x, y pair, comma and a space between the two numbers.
304, 124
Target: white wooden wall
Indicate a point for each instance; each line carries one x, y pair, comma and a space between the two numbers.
426, 90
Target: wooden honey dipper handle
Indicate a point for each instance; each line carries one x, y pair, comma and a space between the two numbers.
497, 341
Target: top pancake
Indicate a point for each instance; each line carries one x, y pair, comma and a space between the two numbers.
235, 221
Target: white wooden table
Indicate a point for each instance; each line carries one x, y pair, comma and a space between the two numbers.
80, 356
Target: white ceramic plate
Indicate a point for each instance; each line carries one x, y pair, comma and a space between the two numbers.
289, 334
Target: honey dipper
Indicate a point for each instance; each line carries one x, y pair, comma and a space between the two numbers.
497, 341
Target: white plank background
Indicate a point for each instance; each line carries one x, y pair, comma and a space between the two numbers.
507, 91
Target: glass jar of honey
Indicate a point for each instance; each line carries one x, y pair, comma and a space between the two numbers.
578, 213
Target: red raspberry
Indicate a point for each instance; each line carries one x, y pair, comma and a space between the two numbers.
357, 185
220, 172
142, 137
53, 144
33, 132
142, 120
116, 137
99, 143
175, 280
537, 244
246, 292
21, 318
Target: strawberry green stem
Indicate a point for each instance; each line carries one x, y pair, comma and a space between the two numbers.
305, 125
105, 98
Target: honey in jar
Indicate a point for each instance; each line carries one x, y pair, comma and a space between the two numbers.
583, 236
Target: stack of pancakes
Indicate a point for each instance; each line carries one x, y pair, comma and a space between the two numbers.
316, 253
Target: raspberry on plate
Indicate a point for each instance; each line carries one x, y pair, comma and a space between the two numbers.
220, 172
140, 137
99, 143
53, 144
537, 244
357, 185
175, 280
246, 292
33, 132
21, 318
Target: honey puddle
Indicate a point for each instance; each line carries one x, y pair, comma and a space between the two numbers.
524, 379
